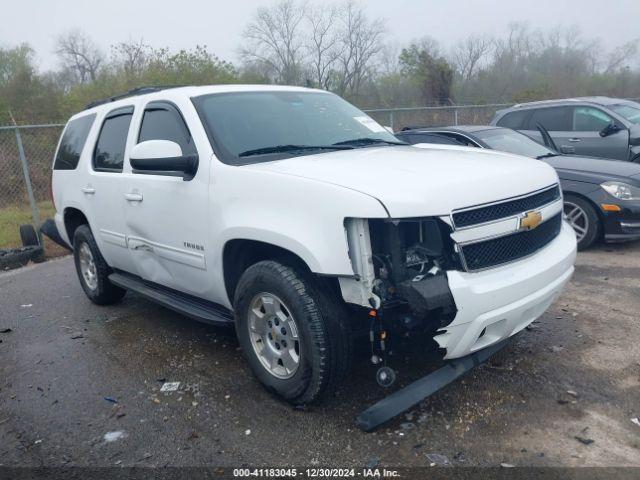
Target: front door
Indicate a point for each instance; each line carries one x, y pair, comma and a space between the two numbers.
167, 216
588, 122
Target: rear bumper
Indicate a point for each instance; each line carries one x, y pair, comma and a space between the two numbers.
497, 303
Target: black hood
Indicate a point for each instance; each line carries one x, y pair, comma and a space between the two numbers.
594, 170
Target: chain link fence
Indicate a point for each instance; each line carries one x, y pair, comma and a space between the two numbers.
26, 156
399, 118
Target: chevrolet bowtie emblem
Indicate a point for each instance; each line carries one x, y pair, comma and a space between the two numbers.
530, 220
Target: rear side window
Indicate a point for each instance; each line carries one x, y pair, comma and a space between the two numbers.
72, 143
108, 155
554, 119
162, 121
514, 120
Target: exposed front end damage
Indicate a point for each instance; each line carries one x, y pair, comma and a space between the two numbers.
401, 273
468, 280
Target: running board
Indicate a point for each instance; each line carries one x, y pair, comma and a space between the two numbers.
402, 400
188, 305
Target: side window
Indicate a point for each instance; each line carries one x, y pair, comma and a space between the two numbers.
108, 155
162, 121
589, 119
554, 119
72, 143
514, 120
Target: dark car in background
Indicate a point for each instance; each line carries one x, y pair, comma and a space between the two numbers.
594, 126
601, 197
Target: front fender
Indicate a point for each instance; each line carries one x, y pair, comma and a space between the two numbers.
301, 215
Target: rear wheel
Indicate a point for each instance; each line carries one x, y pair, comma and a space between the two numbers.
93, 271
583, 219
293, 334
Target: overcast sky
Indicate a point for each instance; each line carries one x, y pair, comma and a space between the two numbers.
219, 24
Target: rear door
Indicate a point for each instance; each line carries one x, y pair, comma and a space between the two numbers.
558, 121
102, 188
166, 216
588, 122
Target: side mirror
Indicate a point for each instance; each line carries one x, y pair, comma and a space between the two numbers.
609, 130
162, 157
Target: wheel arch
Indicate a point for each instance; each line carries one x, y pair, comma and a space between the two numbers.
73, 218
240, 253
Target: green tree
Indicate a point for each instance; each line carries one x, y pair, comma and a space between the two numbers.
430, 72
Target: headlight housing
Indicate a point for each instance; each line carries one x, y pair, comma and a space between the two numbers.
621, 190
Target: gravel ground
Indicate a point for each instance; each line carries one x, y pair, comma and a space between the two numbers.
563, 393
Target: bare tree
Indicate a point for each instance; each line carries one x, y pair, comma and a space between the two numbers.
469, 54
361, 42
132, 56
323, 46
79, 54
274, 38
622, 56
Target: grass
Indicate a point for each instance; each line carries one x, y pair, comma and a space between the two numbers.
12, 217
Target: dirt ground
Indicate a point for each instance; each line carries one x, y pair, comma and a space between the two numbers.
563, 393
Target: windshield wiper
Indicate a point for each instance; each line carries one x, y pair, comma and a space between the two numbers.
291, 148
369, 141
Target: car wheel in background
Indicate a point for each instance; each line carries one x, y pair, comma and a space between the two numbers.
294, 336
584, 220
93, 271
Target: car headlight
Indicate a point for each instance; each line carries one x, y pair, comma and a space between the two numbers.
621, 191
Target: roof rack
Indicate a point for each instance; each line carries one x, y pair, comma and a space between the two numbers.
132, 93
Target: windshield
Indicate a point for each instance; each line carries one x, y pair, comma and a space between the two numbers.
513, 142
630, 112
250, 127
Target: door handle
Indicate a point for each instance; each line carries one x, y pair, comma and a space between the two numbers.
133, 197
143, 246
575, 140
88, 190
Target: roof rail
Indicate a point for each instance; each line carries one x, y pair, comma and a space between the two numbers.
132, 93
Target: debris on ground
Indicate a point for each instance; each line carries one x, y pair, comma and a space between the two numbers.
583, 440
437, 459
76, 335
170, 387
507, 465
111, 399
6, 330
373, 462
636, 420
26, 305
572, 393
114, 436
247, 432
407, 426
556, 348
193, 435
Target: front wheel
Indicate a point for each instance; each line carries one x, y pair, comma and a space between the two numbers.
293, 334
93, 271
584, 220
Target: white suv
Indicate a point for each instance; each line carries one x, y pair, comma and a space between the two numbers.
294, 216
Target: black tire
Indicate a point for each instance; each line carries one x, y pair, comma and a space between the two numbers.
104, 292
321, 321
29, 236
594, 225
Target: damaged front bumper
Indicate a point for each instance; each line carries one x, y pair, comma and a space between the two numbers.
495, 304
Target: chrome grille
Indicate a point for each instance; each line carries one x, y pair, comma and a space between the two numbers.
494, 252
509, 208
